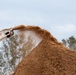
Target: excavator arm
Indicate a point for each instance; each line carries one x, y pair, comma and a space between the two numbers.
6, 33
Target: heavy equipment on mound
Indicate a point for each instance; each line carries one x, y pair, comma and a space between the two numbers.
6, 33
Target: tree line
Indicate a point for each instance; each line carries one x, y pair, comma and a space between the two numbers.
70, 42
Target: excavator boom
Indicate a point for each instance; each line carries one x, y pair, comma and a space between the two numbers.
6, 33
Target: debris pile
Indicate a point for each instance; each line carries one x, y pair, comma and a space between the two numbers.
49, 58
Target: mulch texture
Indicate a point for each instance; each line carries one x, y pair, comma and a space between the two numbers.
49, 58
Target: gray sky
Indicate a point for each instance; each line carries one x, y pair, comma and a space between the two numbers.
56, 16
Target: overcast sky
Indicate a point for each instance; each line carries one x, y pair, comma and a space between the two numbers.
56, 16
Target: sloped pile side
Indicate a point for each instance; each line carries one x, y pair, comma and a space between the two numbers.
44, 34
48, 58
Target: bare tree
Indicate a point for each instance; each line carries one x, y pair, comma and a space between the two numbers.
15, 48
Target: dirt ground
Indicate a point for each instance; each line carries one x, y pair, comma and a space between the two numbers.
49, 58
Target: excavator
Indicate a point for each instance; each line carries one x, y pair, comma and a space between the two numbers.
7, 33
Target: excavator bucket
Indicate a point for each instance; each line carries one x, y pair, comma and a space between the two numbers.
6, 33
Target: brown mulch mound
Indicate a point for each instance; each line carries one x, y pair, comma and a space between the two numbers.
49, 58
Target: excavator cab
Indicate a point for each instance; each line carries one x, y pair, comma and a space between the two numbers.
6, 33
